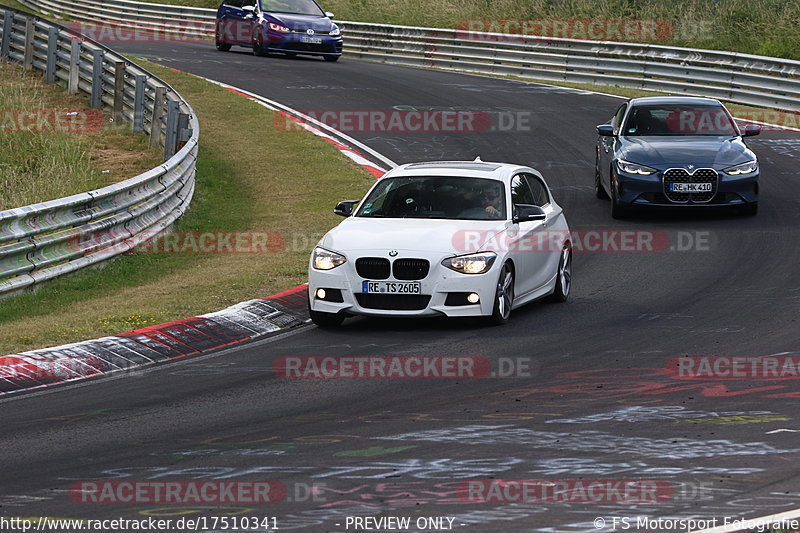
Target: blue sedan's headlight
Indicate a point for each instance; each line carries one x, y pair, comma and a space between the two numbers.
323, 259
335, 31
471, 263
744, 168
632, 168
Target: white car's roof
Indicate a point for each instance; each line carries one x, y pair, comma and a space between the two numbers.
472, 169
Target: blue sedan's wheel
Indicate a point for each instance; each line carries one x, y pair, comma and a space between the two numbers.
599, 191
504, 296
563, 276
617, 211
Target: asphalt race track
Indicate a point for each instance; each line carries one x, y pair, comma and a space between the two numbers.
596, 402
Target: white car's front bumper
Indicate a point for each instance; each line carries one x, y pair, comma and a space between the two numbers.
435, 288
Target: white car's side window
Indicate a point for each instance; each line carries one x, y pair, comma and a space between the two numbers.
521, 191
538, 190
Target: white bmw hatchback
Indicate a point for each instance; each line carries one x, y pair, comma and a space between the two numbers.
449, 238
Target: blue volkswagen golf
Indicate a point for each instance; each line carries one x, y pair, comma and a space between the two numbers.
676, 151
288, 26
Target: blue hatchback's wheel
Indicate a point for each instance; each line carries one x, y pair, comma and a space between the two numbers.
258, 45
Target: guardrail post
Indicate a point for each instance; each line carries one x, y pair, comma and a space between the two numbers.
97, 78
8, 27
52, 48
138, 104
171, 142
184, 133
74, 66
119, 91
30, 33
159, 100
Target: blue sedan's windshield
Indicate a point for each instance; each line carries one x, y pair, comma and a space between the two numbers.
436, 197
680, 119
294, 7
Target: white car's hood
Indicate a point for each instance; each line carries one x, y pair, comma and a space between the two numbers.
426, 235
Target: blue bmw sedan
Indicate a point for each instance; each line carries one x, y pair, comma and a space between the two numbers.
675, 152
288, 26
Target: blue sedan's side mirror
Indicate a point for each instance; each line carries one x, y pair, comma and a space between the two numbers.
329, 14
751, 130
606, 130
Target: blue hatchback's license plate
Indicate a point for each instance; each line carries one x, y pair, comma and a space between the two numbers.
390, 287
311, 40
690, 187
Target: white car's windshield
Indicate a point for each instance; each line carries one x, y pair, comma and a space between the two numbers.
680, 119
436, 197
294, 7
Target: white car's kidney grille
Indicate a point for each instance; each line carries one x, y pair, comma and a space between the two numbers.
373, 267
411, 269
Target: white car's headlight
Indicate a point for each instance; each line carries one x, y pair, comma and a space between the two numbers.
472, 263
323, 259
632, 168
744, 168
335, 31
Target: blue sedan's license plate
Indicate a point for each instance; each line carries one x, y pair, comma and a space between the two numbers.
311, 40
390, 287
690, 187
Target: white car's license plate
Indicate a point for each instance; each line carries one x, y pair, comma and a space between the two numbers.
311, 40
390, 287
690, 187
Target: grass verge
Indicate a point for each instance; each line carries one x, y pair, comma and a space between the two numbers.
252, 180
47, 133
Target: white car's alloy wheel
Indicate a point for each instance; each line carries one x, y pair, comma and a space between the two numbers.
564, 275
504, 297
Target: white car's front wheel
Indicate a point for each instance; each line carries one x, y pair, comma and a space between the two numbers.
564, 275
504, 296
325, 320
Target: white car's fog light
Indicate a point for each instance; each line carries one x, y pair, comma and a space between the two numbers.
321, 294
473, 298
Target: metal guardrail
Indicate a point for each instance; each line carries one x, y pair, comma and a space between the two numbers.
741, 78
41, 241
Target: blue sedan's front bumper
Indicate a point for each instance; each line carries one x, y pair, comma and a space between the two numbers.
651, 190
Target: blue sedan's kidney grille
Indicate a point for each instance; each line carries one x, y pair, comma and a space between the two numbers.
701, 175
410, 269
373, 267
